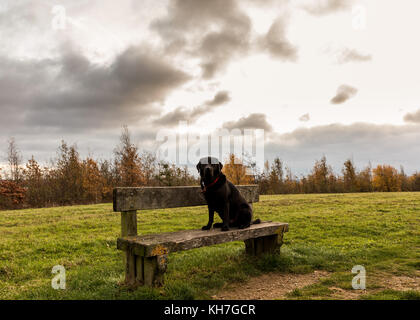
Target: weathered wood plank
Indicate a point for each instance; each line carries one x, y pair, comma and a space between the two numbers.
129, 223
261, 245
130, 268
250, 246
154, 270
150, 271
139, 269
128, 199
270, 243
164, 243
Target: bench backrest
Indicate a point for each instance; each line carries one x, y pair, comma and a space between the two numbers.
130, 199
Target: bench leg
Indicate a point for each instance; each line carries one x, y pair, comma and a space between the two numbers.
134, 273
267, 244
139, 270
154, 270
147, 271
249, 247
130, 268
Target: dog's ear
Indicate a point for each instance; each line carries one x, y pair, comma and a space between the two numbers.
220, 166
198, 167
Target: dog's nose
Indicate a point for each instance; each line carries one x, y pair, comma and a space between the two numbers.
207, 170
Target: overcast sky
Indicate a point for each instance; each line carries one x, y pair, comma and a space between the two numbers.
339, 78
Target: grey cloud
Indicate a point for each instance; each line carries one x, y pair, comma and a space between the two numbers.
179, 114
344, 93
221, 97
305, 118
252, 121
188, 15
390, 144
413, 117
276, 42
191, 115
42, 144
364, 142
218, 48
71, 93
395, 145
324, 7
215, 31
218, 31
352, 55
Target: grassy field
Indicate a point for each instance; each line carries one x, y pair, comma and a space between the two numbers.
327, 232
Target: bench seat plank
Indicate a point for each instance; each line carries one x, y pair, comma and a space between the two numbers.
164, 243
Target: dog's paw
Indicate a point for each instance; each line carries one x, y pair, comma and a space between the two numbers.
225, 228
218, 225
206, 228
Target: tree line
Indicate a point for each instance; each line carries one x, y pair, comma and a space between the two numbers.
278, 179
69, 179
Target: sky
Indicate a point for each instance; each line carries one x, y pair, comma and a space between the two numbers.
339, 78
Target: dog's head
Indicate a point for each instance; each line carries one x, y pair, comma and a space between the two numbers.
209, 168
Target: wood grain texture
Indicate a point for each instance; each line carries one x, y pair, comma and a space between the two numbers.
164, 243
129, 199
150, 271
130, 268
129, 223
139, 269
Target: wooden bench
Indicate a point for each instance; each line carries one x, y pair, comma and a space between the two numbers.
146, 256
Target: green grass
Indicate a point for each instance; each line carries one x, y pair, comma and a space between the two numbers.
327, 232
393, 295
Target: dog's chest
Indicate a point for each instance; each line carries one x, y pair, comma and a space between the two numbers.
215, 203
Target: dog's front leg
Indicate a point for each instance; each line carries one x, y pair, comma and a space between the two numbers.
225, 226
211, 217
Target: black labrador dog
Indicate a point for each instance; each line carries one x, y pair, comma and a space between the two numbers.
223, 197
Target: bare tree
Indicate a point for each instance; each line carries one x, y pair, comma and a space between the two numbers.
14, 158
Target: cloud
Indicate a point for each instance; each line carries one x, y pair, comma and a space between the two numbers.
252, 121
352, 55
390, 144
413, 117
344, 93
276, 42
218, 31
220, 98
42, 144
324, 7
214, 31
364, 142
191, 115
305, 117
71, 93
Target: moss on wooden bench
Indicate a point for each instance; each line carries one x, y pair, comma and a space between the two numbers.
164, 243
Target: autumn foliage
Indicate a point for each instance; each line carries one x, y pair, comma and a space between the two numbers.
236, 171
322, 179
69, 179
386, 178
12, 194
